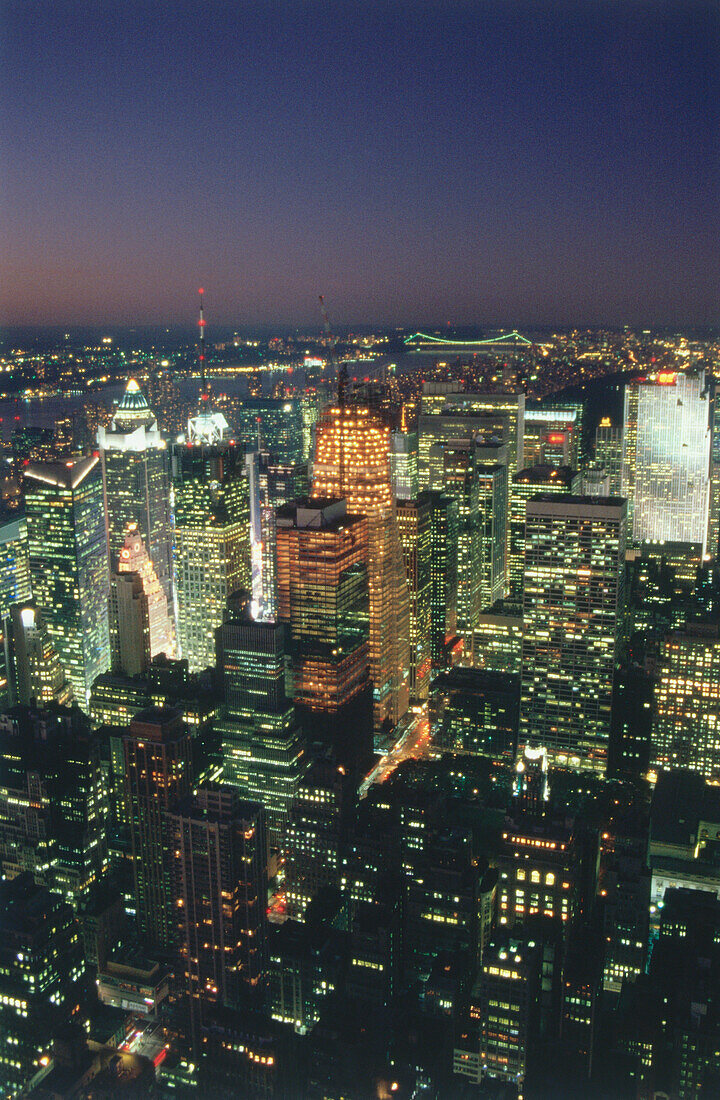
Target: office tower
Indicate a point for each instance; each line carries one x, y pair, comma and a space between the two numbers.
134, 558
415, 526
219, 896
212, 542
553, 436
686, 728
493, 508
67, 546
136, 484
157, 776
526, 484
608, 454
263, 747
35, 675
40, 970
271, 484
404, 465
453, 470
272, 424
624, 891
497, 639
129, 625
14, 563
713, 539
476, 712
444, 524
352, 463
595, 482
53, 800
316, 835
509, 1005
323, 598
500, 414
666, 457
572, 619
539, 867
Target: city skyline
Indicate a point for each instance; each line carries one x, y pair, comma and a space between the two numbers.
545, 163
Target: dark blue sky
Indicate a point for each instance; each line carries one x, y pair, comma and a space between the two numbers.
460, 161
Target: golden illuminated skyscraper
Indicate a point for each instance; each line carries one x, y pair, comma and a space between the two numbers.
352, 461
134, 559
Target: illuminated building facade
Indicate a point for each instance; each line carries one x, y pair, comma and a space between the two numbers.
572, 618
415, 526
454, 471
157, 775
686, 729
14, 564
36, 676
136, 484
263, 746
404, 465
212, 542
444, 533
608, 454
41, 965
500, 414
526, 484
352, 463
497, 639
539, 871
134, 558
218, 878
129, 625
273, 424
475, 712
666, 457
493, 509
67, 547
271, 484
323, 598
553, 436
509, 1007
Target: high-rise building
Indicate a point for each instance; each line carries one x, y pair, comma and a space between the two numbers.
157, 776
212, 542
352, 463
136, 484
666, 457
493, 508
273, 424
454, 471
713, 539
526, 484
497, 639
36, 676
608, 453
271, 484
404, 465
218, 861
323, 598
509, 1001
553, 436
68, 564
572, 618
40, 970
444, 523
686, 728
415, 526
475, 712
129, 624
14, 563
134, 558
263, 747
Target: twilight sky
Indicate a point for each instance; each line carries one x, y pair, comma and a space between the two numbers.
462, 161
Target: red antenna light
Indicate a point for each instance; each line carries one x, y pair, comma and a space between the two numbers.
201, 326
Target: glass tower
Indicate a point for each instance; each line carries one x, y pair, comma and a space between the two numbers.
572, 616
666, 457
136, 483
352, 462
212, 542
68, 564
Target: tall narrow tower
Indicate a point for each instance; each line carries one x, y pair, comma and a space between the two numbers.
352, 462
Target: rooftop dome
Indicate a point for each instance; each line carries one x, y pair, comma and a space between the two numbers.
133, 407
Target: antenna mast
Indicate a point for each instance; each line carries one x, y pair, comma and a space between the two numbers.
201, 326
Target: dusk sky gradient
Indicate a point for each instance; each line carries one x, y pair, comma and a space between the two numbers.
530, 163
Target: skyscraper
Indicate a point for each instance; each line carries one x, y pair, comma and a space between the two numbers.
263, 747
322, 567
444, 521
134, 558
553, 436
14, 583
686, 729
68, 564
572, 616
352, 463
526, 484
415, 526
666, 457
136, 483
454, 471
404, 465
212, 542
608, 453
35, 674
218, 856
129, 625
157, 775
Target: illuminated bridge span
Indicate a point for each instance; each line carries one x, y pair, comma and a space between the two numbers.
422, 339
